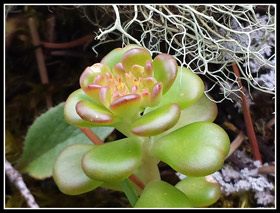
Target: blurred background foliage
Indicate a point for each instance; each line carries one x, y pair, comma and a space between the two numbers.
25, 95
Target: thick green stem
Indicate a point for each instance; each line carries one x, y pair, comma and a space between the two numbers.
149, 166
148, 171
124, 128
129, 192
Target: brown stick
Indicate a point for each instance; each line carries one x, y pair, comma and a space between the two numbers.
248, 121
266, 170
97, 141
39, 57
70, 44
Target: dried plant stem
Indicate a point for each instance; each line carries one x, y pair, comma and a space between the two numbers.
236, 143
39, 57
97, 141
16, 179
266, 170
248, 121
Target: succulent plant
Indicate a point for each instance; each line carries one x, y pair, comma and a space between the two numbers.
161, 109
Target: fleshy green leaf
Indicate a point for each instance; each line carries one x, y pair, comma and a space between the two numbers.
165, 70
115, 56
157, 121
90, 73
126, 106
197, 149
94, 114
186, 89
135, 56
160, 194
92, 91
200, 190
70, 114
68, 173
47, 137
202, 110
114, 161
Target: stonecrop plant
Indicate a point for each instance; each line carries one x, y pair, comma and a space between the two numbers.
161, 109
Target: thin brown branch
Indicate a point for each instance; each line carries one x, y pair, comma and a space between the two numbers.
38, 51
97, 141
16, 179
248, 121
266, 170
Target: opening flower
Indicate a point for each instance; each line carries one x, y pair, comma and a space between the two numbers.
126, 82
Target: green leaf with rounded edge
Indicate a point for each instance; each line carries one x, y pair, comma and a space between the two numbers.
157, 121
114, 161
185, 91
47, 137
200, 190
165, 70
160, 194
115, 56
70, 113
126, 106
197, 149
135, 56
95, 114
67, 171
202, 110
91, 72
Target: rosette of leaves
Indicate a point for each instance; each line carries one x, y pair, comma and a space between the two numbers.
162, 110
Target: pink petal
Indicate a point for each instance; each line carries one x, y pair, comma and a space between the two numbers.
156, 94
105, 95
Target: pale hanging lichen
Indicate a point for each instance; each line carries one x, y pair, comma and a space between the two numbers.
202, 35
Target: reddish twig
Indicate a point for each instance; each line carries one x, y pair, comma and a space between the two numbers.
248, 121
97, 141
137, 182
70, 44
92, 136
